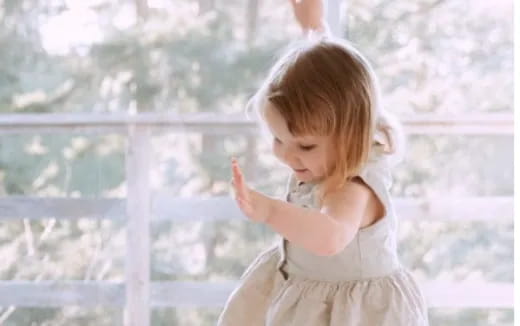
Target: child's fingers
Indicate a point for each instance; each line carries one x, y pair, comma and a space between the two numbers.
240, 188
233, 186
238, 179
236, 176
236, 170
237, 190
235, 182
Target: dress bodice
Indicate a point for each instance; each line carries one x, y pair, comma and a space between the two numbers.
372, 253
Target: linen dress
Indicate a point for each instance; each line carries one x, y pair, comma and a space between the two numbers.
364, 285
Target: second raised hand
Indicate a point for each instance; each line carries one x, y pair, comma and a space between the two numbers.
253, 204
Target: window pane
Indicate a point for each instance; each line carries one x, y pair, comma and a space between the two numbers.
448, 57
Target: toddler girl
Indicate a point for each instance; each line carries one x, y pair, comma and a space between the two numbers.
336, 262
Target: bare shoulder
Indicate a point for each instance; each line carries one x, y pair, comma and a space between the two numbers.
356, 203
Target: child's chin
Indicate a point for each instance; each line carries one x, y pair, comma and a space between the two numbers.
304, 177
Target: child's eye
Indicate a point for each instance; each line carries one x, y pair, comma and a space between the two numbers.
307, 147
276, 140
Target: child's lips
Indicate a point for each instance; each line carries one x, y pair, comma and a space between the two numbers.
300, 170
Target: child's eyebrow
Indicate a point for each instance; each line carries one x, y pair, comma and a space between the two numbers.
305, 139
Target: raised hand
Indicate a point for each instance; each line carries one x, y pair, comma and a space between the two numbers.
310, 15
253, 204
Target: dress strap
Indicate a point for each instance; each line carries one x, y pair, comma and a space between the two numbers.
377, 175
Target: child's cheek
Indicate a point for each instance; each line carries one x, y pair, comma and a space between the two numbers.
276, 151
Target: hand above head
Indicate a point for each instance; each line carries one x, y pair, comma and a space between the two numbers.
253, 204
310, 15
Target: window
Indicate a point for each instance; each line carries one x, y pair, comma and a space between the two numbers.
143, 101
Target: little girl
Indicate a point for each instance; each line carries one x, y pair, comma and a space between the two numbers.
336, 262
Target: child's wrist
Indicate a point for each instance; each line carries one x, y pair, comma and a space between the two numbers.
265, 206
321, 29
270, 213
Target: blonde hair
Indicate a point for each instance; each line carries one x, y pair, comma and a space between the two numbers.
324, 86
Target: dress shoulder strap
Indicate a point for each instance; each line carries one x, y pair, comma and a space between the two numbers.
377, 175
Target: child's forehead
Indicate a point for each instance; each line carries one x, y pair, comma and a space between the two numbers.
278, 125
286, 134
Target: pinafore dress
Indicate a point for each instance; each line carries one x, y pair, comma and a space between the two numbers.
364, 285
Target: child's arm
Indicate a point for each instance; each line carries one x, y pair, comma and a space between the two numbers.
323, 232
310, 16
326, 231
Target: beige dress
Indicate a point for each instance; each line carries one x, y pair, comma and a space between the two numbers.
364, 285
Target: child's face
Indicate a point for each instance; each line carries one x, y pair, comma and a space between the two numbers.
308, 156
